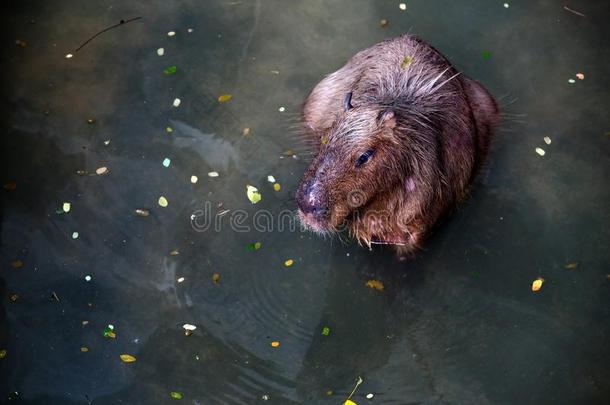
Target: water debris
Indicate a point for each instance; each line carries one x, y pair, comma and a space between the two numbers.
10, 186
170, 70
176, 102
506, 5
224, 98
142, 212
245, 132
175, 395
486, 54
180, 279
571, 266
277, 187
275, 343
169, 130
190, 30
127, 358
213, 174
20, 43
2, 354
171, 33
188, 328
17, 264
540, 151
375, 284
348, 401
74, 235
55, 296
87, 278
383, 23
571, 81
107, 142
406, 62
254, 246
84, 349
216, 278
578, 13
274, 72
370, 395
281, 109
194, 179
288, 262
161, 51
122, 22
69, 56
174, 252
253, 194
537, 284
167, 162
91, 121
402, 6
13, 297
66, 207
101, 170
271, 179
547, 140
326, 331
163, 201
580, 76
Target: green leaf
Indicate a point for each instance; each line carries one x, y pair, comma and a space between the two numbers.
170, 70
326, 331
175, 395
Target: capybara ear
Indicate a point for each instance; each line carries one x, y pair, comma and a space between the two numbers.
387, 119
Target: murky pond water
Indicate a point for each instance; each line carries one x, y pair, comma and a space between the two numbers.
458, 323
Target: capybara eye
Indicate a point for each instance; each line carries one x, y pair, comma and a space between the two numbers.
364, 158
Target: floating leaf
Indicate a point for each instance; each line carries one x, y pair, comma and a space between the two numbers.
580, 76
188, 326
142, 212
163, 201
376, 284
271, 179
175, 395
571, 266
213, 174
109, 332
253, 246
540, 151
84, 349
277, 187
275, 343
167, 162
10, 186
224, 98
326, 331
127, 358
406, 62
486, 54
216, 278
537, 284
349, 402
66, 207
16, 264
384, 23
194, 179
160, 51
2, 354
253, 194
288, 262
101, 170
170, 70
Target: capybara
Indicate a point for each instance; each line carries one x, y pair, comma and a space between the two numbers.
399, 134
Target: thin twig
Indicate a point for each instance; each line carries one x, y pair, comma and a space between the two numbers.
573, 11
122, 22
355, 388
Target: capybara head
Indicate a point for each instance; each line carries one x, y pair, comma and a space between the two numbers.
358, 160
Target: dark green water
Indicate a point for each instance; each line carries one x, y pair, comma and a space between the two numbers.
457, 324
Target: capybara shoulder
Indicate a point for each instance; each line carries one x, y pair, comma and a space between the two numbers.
399, 134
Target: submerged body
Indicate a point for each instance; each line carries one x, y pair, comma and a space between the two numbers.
399, 135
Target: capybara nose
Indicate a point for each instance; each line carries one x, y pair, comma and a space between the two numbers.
309, 201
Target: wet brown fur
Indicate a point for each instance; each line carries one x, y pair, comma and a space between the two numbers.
428, 125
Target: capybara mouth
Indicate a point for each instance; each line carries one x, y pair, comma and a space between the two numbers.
315, 222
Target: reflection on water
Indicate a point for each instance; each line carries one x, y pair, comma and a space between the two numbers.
458, 323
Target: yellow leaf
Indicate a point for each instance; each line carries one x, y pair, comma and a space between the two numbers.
277, 187
288, 262
253, 194
376, 284
349, 402
127, 358
224, 98
275, 344
537, 284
